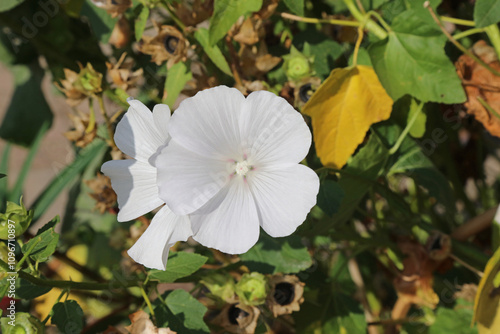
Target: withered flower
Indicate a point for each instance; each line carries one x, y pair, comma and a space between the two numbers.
79, 86
102, 192
192, 12
113, 7
168, 45
250, 31
121, 73
82, 135
238, 318
438, 245
142, 324
120, 36
304, 89
255, 60
285, 295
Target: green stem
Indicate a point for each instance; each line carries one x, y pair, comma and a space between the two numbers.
409, 125
488, 107
28, 252
317, 21
494, 35
468, 33
371, 25
458, 21
109, 126
380, 20
70, 284
148, 302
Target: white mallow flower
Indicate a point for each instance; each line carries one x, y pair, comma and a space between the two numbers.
141, 134
223, 164
232, 165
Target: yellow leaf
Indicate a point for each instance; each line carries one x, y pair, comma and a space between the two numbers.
487, 303
343, 109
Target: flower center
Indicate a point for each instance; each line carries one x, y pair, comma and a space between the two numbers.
242, 168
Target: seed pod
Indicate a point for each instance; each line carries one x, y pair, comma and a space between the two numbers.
238, 318
285, 295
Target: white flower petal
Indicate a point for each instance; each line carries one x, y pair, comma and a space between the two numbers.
151, 250
186, 180
135, 185
275, 132
207, 123
137, 135
161, 117
233, 227
284, 197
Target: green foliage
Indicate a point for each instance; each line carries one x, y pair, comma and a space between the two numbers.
226, 12
68, 317
486, 12
286, 255
180, 264
181, 313
44, 243
141, 21
21, 124
213, 52
296, 6
177, 76
412, 61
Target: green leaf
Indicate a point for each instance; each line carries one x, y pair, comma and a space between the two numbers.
273, 255
457, 320
296, 6
182, 313
324, 50
6, 5
329, 197
27, 290
68, 317
100, 21
28, 111
63, 179
177, 76
412, 61
140, 22
46, 243
180, 264
417, 130
347, 316
2, 175
486, 12
213, 52
226, 13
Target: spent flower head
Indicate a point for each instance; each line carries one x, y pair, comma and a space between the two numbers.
16, 215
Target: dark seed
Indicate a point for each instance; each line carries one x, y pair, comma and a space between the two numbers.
236, 313
171, 43
284, 293
305, 92
436, 244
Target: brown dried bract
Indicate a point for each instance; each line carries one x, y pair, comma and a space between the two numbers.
102, 192
414, 284
120, 36
121, 73
141, 324
80, 135
482, 86
255, 60
168, 45
286, 294
250, 31
192, 12
113, 7
238, 318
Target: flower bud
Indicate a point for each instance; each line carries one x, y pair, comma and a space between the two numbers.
24, 323
252, 289
297, 65
16, 215
221, 285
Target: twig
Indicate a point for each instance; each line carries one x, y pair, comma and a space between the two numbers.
315, 21
474, 225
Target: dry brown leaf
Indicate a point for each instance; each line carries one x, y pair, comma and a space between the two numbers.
141, 324
482, 86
